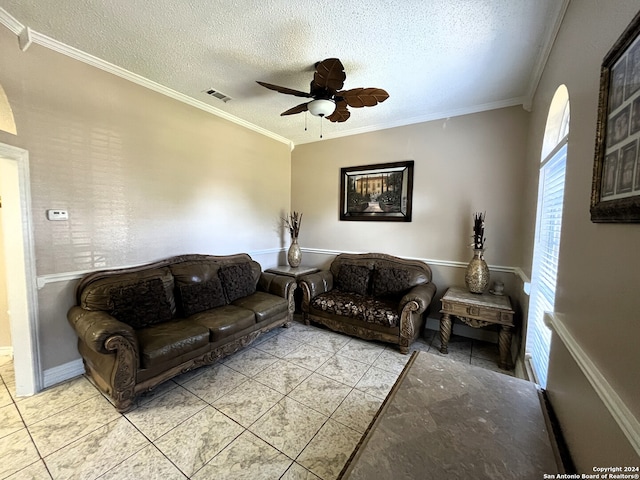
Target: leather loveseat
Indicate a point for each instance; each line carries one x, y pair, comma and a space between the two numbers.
138, 327
372, 296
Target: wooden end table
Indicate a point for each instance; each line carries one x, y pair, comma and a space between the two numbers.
477, 311
295, 272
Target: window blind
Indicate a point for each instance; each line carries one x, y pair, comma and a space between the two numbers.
545, 259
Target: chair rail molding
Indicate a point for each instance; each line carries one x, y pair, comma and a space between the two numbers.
429, 261
43, 280
625, 419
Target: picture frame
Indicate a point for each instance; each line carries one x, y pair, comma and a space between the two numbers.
380, 192
615, 190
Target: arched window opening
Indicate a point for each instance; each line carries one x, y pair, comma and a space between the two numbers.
7, 122
544, 271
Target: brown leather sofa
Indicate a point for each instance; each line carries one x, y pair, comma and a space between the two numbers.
372, 296
138, 327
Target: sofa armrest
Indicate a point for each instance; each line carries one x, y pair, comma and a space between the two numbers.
280, 285
95, 328
316, 283
421, 295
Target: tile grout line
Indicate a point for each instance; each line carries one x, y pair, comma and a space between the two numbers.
279, 357
26, 428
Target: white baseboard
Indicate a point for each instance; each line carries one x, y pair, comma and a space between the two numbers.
61, 373
623, 416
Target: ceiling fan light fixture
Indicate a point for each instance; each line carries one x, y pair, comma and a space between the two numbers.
321, 107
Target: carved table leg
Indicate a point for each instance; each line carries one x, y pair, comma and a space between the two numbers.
504, 345
445, 332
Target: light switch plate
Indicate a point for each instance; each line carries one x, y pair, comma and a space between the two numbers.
56, 215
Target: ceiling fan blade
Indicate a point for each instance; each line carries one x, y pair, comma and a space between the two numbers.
297, 109
363, 97
329, 75
341, 114
285, 90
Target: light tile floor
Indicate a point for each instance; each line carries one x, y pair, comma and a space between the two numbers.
293, 405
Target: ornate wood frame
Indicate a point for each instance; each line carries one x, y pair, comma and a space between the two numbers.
618, 106
390, 212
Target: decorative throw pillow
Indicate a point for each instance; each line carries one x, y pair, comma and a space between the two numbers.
390, 281
354, 279
237, 281
201, 296
141, 304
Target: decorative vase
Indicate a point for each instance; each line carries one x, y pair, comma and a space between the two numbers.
294, 255
477, 275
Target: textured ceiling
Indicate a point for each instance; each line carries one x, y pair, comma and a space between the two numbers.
436, 58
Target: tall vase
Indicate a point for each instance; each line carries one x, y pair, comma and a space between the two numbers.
294, 255
477, 275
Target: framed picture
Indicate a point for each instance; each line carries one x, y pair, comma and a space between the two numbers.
615, 191
380, 192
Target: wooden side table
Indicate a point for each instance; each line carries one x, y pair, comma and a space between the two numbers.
478, 310
295, 272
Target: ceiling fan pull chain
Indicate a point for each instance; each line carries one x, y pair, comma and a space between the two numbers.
320, 127
305, 120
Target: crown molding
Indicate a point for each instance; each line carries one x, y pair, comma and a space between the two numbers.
28, 36
10, 22
619, 410
36, 37
545, 52
456, 112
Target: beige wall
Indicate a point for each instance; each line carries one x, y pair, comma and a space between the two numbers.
142, 176
462, 165
599, 264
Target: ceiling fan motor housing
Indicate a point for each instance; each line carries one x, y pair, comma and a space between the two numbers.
321, 107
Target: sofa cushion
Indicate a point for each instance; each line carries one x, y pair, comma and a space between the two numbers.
161, 343
360, 307
141, 304
390, 281
198, 297
263, 304
224, 321
354, 279
98, 294
237, 280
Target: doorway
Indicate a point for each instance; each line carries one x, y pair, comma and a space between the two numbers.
20, 267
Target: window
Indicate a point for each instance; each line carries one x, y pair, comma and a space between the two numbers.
547, 236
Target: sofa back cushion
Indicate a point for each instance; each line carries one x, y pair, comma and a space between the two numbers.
238, 280
390, 281
141, 304
198, 287
389, 275
353, 279
139, 298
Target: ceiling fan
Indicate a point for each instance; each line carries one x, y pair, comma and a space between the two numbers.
328, 100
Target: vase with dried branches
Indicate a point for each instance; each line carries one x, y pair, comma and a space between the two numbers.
293, 222
477, 274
